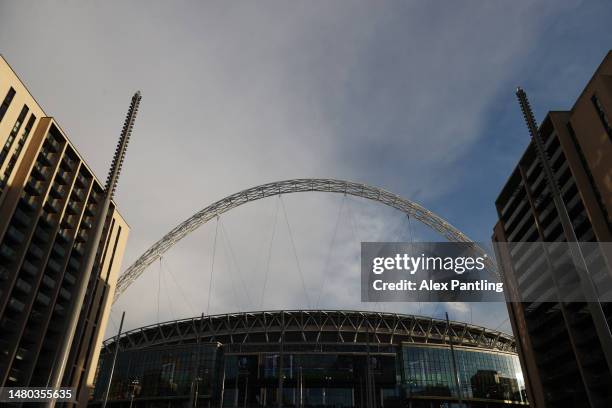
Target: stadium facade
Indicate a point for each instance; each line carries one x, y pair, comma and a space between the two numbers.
326, 358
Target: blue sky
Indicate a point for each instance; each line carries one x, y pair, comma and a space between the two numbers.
414, 97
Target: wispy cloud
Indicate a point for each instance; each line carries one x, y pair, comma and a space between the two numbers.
237, 94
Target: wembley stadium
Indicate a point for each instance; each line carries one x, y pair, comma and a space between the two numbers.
310, 358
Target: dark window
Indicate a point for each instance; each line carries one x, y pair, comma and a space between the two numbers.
602, 115
6, 103
15, 156
9, 142
587, 169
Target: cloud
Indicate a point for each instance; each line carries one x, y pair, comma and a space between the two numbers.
239, 94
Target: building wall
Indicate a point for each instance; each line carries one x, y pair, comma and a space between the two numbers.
565, 358
48, 201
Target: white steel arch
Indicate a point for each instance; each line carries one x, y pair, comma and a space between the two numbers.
217, 208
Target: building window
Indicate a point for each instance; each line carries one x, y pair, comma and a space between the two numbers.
6, 103
587, 170
20, 144
602, 115
9, 142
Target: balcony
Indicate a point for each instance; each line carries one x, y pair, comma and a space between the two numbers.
20, 219
58, 250
53, 145
69, 278
33, 188
35, 252
14, 236
22, 354
86, 224
43, 299
61, 177
48, 282
81, 182
89, 210
62, 236
46, 221
57, 191
39, 172
23, 287
28, 203
68, 164
54, 266
44, 159
74, 264
29, 268
65, 295
41, 236
72, 209
52, 206
67, 223
7, 253
15, 305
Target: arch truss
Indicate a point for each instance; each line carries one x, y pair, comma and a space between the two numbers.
217, 208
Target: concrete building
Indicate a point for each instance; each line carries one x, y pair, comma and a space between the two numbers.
565, 354
48, 201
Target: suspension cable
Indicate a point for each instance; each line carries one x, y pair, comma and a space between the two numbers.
507, 319
229, 266
183, 294
329, 252
297, 260
158, 288
263, 293
234, 260
410, 229
112, 320
352, 221
212, 267
353, 225
172, 314
436, 309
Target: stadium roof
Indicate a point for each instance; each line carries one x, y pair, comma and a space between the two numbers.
313, 327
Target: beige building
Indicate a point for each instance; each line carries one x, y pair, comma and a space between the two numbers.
48, 201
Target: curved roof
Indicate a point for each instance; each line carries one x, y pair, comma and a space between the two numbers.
313, 327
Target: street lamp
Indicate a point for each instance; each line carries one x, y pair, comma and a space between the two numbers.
135, 383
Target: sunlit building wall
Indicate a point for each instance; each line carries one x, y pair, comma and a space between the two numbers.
48, 201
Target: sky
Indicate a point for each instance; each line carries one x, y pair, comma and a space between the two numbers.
414, 97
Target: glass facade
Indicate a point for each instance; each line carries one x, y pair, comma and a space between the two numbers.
417, 374
166, 372
428, 372
311, 359
311, 380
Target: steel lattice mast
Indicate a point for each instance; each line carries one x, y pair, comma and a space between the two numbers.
59, 367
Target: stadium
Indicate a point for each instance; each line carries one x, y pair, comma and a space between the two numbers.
327, 358
308, 358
